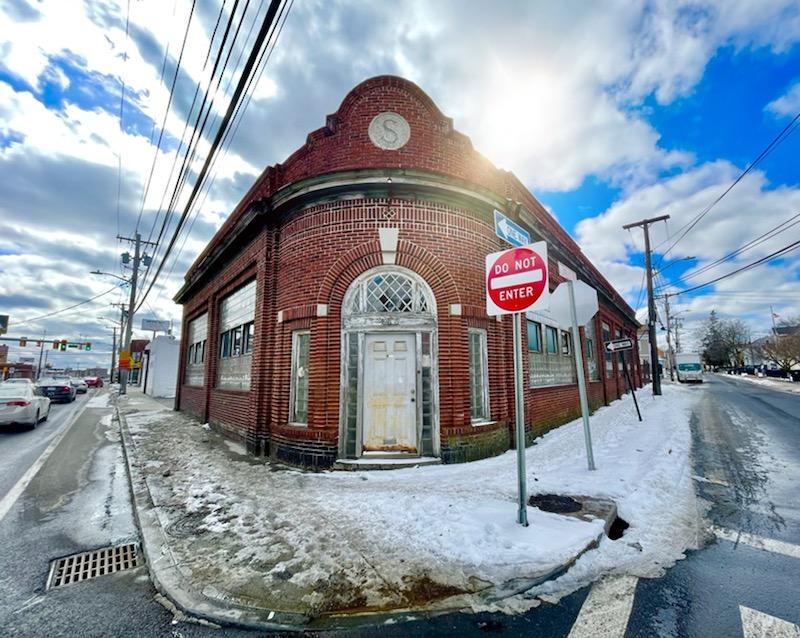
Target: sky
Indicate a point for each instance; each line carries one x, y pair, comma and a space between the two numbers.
609, 112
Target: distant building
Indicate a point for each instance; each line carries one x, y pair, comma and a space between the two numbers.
160, 367
138, 347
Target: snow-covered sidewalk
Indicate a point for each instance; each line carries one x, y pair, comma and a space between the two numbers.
313, 543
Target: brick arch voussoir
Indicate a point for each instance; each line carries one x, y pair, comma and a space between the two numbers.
345, 269
431, 269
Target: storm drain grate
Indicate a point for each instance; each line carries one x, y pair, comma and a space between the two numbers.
79, 567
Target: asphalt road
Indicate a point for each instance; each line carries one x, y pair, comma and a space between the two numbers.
746, 460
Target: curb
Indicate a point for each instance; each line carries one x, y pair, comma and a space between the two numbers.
165, 571
222, 609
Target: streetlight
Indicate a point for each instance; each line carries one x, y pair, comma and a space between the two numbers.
110, 274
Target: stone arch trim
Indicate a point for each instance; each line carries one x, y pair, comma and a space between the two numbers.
409, 255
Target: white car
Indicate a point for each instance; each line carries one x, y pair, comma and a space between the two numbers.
81, 387
20, 381
20, 405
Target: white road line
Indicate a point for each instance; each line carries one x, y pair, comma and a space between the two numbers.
759, 542
757, 624
19, 487
606, 610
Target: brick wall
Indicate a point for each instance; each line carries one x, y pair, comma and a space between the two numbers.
306, 255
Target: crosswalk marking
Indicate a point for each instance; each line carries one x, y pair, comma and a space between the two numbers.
759, 542
757, 624
606, 610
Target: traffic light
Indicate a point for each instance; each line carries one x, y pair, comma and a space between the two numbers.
63, 345
87, 346
56, 344
23, 341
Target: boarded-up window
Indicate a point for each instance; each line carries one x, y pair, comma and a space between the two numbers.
236, 313
196, 335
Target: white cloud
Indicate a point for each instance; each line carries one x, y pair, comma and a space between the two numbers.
788, 104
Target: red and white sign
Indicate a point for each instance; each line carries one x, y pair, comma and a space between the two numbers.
516, 280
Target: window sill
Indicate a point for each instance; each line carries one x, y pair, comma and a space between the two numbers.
297, 425
552, 385
477, 424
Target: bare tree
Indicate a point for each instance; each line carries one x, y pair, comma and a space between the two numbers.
782, 350
736, 337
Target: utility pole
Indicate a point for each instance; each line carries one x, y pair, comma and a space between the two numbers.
678, 326
126, 338
41, 351
113, 354
651, 303
670, 355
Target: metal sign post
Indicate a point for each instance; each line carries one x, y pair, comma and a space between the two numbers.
620, 345
577, 349
630, 386
519, 405
517, 281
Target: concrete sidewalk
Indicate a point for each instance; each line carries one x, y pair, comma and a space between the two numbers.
237, 540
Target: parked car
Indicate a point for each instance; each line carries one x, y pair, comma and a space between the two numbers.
20, 381
20, 405
81, 387
94, 382
58, 389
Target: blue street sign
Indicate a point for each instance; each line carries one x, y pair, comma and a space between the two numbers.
508, 231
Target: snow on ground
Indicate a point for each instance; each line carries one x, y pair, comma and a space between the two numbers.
339, 540
787, 385
100, 401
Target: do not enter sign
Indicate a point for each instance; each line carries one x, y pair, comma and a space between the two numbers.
516, 280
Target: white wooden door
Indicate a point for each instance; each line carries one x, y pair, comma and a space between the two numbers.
390, 383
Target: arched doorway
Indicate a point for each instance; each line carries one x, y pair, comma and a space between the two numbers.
389, 383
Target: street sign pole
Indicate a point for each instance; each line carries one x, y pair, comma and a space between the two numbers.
577, 349
630, 385
519, 411
517, 281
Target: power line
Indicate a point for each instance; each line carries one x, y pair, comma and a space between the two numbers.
770, 234
191, 146
237, 118
265, 29
777, 253
166, 113
56, 312
786, 132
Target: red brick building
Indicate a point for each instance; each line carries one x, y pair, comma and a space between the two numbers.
339, 312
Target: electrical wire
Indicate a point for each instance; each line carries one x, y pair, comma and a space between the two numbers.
774, 255
188, 157
56, 312
686, 228
770, 234
166, 113
255, 54
228, 139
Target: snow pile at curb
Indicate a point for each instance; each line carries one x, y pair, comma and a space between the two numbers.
370, 540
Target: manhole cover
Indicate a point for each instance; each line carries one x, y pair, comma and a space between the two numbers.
78, 567
555, 503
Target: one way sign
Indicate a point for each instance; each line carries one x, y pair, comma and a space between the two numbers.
619, 344
508, 231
